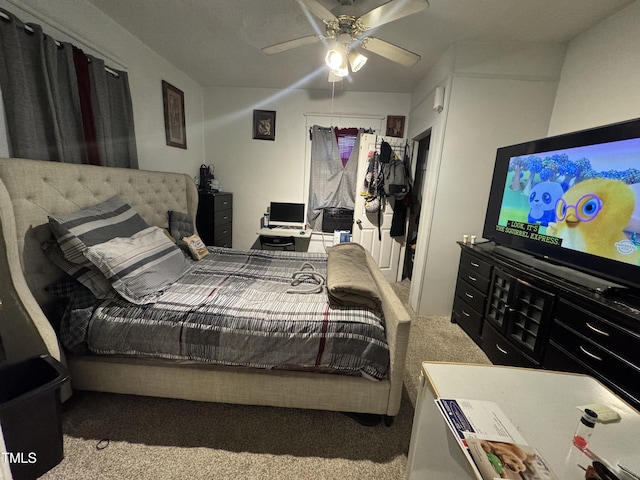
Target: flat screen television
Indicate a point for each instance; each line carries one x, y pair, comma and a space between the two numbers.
572, 200
282, 214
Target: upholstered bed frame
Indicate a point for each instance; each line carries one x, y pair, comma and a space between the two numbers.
30, 190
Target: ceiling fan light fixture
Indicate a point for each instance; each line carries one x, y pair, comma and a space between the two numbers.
344, 41
356, 60
333, 78
334, 58
342, 71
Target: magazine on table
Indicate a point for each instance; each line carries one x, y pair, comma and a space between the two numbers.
492, 444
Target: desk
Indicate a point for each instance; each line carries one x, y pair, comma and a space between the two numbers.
285, 232
541, 404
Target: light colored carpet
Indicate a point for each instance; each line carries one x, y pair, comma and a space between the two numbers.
153, 438
434, 338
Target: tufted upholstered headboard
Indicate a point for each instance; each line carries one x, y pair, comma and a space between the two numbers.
39, 188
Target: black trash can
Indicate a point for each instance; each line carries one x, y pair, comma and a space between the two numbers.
30, 414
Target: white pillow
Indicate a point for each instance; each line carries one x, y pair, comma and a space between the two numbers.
141, 267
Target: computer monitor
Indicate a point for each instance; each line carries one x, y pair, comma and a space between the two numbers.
283, 214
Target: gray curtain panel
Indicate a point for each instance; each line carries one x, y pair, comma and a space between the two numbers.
40, 90
112, 115
331, 184
40, 94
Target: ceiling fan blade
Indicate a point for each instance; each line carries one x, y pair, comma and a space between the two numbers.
318, 10
298, 42
391, 11
390, 51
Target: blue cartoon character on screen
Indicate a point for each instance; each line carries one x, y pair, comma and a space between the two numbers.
542, 202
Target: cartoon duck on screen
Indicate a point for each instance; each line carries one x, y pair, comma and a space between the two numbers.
591, 217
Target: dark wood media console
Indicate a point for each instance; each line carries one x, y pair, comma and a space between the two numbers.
522, 315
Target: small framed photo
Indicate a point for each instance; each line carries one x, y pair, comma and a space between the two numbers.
395, 126
264, 124
174, 121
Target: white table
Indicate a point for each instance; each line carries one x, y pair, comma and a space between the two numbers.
285, 232
541, 404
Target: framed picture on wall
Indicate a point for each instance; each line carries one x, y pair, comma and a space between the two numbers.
174, 121
264, 125
395, 126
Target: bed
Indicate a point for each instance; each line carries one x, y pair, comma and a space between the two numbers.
31, 191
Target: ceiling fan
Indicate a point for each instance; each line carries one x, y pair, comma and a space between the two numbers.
345, 31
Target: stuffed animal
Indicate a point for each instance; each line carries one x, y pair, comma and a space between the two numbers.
542, 202
591, 217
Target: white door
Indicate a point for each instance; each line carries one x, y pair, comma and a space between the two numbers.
386, 250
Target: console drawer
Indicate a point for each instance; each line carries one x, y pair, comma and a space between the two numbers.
467, 318
617, 340
473, 297
501, 352
555, 358
474, 278
475, 265
606, 364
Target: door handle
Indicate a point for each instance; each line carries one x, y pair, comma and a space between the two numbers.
359, 223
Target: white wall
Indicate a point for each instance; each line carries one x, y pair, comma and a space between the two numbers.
260, 171
497, 95
82, 24
601, 75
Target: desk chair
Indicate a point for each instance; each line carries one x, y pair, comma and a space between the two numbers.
277, 243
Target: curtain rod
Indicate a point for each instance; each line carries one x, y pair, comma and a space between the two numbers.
30, 30
352, 115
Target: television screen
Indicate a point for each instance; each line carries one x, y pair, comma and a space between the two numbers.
286, 214
574, 199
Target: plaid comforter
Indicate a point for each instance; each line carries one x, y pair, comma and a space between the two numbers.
239, 307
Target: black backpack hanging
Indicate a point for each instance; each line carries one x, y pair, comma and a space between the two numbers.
385, 152
385, 158
399, 189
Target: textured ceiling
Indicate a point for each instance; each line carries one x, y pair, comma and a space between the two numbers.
219, 42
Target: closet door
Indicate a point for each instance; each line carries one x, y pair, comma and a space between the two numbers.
387, 250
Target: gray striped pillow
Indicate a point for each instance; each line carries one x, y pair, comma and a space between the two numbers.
93, 225
140, 267
86, 274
